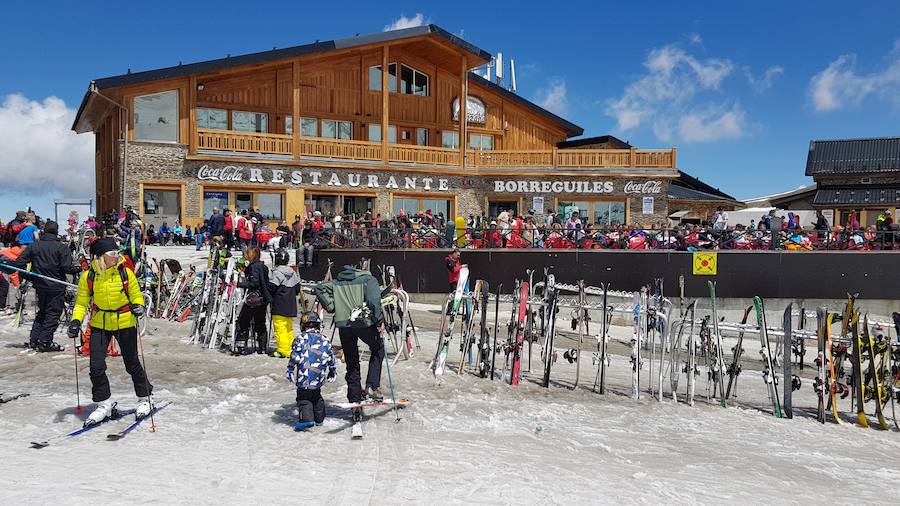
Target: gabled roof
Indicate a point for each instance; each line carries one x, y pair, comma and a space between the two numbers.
783, 197
308, 49
685, 180
849, 156
684, 193
590, 141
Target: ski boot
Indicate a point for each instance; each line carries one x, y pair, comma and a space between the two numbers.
374, 394
104, 410
304, 426
47, 347
144, 407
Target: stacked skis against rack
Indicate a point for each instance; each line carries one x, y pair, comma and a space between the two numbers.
859, 366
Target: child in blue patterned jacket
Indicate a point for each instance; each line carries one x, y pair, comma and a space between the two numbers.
310, 367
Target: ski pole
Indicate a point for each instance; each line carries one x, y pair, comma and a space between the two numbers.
46, 278
387, 364
140, 331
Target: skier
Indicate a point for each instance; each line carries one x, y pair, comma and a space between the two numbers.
453, 266
258, 297
284, 285
112, 291
311, 365
354, 298
49, 257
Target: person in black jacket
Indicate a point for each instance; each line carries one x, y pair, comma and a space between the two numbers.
284, 285
256, 282
52, 258
304, 254
216, 224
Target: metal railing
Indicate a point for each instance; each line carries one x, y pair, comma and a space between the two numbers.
615, 238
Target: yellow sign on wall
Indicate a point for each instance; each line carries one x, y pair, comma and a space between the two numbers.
705, 263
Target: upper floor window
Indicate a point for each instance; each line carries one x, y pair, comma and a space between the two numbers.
308, 126
333, 129
156, 117
450, 139
375, 77
212, 118
412, 82
375, 133
243, 121
481, 141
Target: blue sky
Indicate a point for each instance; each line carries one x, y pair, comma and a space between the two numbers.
739, 88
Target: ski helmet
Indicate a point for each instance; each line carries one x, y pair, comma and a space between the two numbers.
282, 257
310, 320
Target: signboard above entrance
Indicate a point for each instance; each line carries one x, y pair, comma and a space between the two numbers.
577, 187
233, 173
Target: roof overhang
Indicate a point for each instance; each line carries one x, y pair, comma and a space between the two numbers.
91, 113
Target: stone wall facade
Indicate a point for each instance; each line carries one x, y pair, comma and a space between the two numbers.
160, 165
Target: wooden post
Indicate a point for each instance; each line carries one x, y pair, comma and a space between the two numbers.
631, 157
295, 112
192, 105
555, 160
385, 105
463, 100
674, 165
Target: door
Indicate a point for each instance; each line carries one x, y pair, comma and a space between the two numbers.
495, 207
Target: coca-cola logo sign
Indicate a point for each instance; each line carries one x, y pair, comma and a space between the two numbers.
643, 187
224, 174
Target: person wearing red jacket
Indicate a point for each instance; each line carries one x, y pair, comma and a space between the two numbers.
453, 266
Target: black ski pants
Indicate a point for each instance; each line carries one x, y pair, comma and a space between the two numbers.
50, 304
4, 291
128, 345
311, 404
256, 316
350, 338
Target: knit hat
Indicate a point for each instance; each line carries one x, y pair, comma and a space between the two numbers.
104, 245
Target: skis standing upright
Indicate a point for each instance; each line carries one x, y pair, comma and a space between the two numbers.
484, 335
788, 378
874, 376
640, 313
452, 307
821, 385
766, 352
602, 343
549, 319
833, 365
720, 359
858, 384
582, 324
734, 369
518, 345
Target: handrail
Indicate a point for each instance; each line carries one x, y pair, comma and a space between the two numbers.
280, 144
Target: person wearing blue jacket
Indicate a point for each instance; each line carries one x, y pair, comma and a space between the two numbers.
311, 365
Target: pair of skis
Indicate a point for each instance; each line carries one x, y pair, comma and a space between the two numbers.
114, 436
450, 310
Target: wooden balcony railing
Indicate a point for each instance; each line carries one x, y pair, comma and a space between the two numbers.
244, 142
227, 140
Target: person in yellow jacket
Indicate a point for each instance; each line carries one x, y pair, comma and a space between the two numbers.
111, 289
284, 285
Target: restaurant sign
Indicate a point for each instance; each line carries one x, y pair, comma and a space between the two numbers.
576, 187
234, 173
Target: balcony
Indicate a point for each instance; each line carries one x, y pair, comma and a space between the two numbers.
227, 142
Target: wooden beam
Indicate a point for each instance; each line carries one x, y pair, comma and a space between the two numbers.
192, 109
463, 100
384, 104
295, 109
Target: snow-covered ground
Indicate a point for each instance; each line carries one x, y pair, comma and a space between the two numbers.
228, 438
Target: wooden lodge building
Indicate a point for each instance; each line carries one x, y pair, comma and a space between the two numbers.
307, 128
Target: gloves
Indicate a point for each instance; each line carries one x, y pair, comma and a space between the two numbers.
74, 329
137, 310
332, 375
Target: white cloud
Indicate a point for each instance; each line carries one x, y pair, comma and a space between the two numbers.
553, 98
766, 81
712, 124
695, 39
666, 98
42, 156
405, 22
840, 85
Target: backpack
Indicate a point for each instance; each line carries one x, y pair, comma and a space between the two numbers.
123, 274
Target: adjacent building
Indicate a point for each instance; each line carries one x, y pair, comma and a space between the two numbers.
367, 123
859, 176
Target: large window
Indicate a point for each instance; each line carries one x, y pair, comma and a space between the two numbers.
595, 212
437, 206
413, 82
156, 117
375, 78
270, 205
450, 139
243, 121
162, 206
242, 202
332, 129
214, 200
212, 118
375, 133
481, 141
416, 205
407, 205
